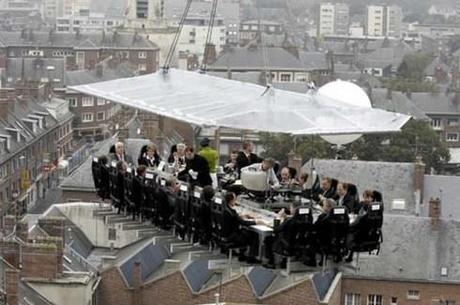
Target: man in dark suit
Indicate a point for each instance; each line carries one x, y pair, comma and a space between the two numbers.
247, 157
234, 229
120, 154
197, 169
282, 234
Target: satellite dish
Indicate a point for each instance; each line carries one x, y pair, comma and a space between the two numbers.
347, 93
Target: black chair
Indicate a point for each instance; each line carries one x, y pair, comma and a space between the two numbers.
128, 190
101, 177
333, 233
181, 211
165, 202
294, 238
149, 196
195, 222
116, 186
217, 216
367, 232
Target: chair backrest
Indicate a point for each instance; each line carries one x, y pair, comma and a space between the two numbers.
96, 171
217, 214
128, 186
369, 229
333, 239
297, 234
181, 211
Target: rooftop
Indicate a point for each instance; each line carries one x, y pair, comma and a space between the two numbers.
81, 41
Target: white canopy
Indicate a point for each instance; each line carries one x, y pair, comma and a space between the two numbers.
209, 101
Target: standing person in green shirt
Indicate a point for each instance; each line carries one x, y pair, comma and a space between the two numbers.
212, 156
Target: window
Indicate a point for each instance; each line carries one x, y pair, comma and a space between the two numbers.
86, 117
413, 294
446, 302
374, 299
142, 55
436, 122
142, 67
452, 122
100, 116
452, 137
124, 55
285, 77
100, 102
87, 101
72, 102
352, 299
394, 301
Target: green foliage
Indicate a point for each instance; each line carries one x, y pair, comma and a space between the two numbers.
408, 85
279, 145
414, 65
416, 138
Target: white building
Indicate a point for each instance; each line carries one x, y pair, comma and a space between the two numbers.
53, 9
144, 13
334, 19
383, 21
93, 22
194, 32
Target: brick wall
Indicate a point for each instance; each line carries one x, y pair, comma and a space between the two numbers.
54, 226
12, 286
9, 250
40, 260
173, 289
430, 293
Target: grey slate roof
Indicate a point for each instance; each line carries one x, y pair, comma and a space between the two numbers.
247, 59
322, 282
81, 41
82, 179
260, 279
13, 119
437, 63
413, 250
150, 258
34, 70
313, 60
398, 102
81, 77
446, 189
393, 180
197, 274
436, 103
384, 57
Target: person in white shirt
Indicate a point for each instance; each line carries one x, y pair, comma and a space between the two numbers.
267, 167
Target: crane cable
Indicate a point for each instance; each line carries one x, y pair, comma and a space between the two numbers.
265, 55
212, 18
173, 46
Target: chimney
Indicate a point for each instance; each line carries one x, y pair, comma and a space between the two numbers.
9, 250
409, 94
99, 70
58, 244
389, 94
137, 283
419, 177
12, 277
435, 212
53, 226
41, 260
210, 53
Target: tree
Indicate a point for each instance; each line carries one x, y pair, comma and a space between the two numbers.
413, 66
416, 138
279, 145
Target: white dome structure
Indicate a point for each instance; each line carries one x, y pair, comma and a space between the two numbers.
347, 93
